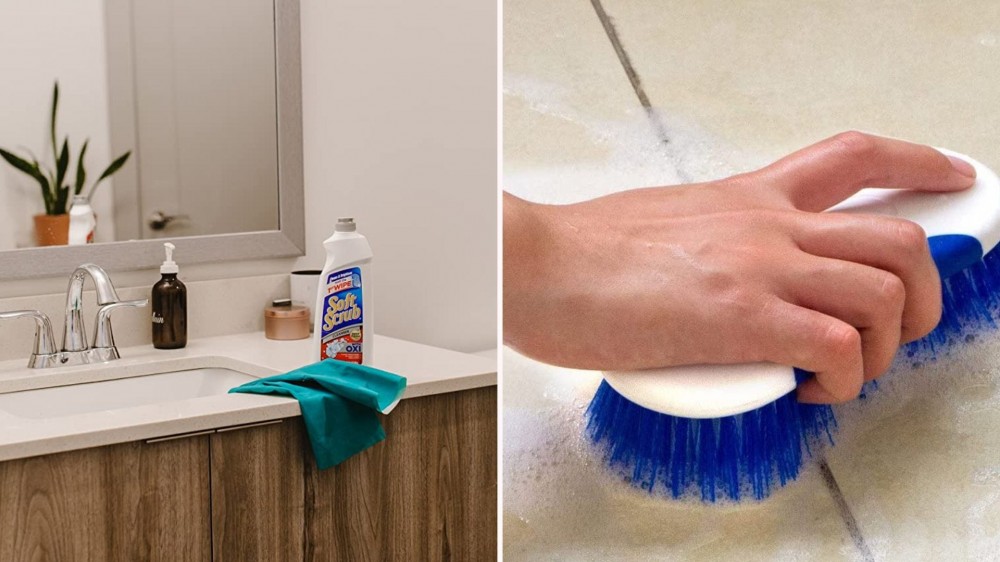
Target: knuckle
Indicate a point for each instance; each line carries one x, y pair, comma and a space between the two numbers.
891, 290
910, 236
719, 278
843, 344
853, 144
841, 340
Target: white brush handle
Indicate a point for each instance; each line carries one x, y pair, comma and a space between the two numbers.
974, 211
715, 391
704, 391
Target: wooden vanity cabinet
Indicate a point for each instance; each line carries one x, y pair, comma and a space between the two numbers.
126, 502
429, 492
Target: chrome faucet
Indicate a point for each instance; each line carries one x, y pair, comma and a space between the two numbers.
44, 354
75, 349
74, 332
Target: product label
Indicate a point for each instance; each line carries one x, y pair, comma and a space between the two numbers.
342, 331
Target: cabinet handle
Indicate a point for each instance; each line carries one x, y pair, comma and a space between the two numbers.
180, 436
211, 431
247, 426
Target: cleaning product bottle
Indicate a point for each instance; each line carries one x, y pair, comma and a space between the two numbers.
169, 306
82, 222
343, 324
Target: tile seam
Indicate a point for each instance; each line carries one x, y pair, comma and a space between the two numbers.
845, 512
633, 77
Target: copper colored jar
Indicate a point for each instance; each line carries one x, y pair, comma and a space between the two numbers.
282, 321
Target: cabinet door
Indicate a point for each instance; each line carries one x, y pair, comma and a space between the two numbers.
129, 502
429, 492
257, 493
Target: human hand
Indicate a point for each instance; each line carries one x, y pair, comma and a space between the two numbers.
739, 270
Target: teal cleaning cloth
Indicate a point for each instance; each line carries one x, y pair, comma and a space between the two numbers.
340, 403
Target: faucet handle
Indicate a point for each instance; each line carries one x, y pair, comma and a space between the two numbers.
103, 337
45, 344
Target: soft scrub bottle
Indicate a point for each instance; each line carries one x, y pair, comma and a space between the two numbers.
343, 325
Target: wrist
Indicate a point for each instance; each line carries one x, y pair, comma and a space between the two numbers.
526, 245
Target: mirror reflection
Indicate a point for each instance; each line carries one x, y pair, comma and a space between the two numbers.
131, 119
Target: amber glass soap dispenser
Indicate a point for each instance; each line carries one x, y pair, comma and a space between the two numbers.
169, 306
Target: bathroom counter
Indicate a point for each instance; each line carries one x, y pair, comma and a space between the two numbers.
429, 370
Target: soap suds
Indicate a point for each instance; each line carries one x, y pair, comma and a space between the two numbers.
562, 502
916, 459
637, 156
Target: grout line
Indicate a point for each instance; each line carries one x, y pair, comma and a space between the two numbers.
845, 512
626, 62
633, 77
659, 129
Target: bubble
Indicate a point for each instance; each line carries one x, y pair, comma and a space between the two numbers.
942, 406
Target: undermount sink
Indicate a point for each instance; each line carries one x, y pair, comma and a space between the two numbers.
60, 401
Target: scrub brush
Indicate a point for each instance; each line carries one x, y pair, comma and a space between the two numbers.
737, 430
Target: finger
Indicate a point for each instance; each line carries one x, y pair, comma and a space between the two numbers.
814, 341
824, 174
869, 299
894, 245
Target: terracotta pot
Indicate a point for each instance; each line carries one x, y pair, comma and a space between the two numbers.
52, 230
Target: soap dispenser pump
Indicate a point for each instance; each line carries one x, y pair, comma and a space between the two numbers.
169, 300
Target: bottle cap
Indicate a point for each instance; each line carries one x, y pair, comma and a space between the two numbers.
345, 224
169, 266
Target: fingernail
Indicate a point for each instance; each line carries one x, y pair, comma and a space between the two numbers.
962, 167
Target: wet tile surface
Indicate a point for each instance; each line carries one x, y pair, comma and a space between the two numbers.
561, 502
775, 76
564, 94
733, 86
918, 462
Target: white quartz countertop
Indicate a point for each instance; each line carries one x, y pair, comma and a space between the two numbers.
428, 370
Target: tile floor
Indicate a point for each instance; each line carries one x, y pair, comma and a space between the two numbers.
698, 90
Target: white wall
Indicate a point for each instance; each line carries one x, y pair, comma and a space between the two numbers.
41, 41
400, 132
399, 102
203, 118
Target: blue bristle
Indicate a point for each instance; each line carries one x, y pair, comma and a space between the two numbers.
753, 444
713, 458
728, 448
765, 448
790, 452
971, 303
679, 468
707, 458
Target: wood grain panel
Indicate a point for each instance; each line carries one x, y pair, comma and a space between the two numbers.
257, 493
128, 502
428, 492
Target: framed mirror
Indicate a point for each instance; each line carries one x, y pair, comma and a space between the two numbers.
204, 98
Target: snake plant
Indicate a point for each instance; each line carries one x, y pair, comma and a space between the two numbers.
54, 181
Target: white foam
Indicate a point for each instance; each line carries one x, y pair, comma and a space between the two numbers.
562, 502
638, 157
916, 460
